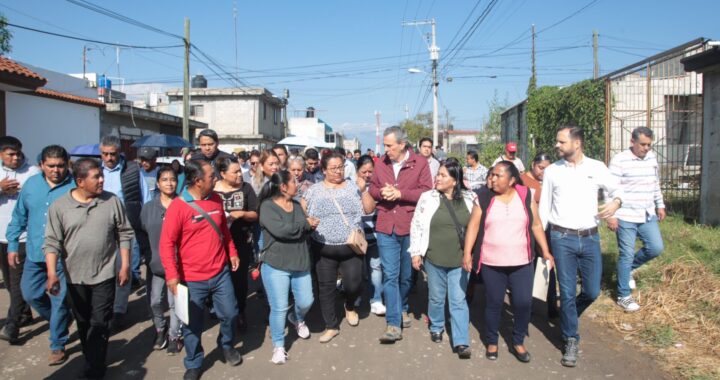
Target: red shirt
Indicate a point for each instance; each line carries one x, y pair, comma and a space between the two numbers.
201, 254
413, 180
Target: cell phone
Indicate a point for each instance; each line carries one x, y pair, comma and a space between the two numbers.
55, 289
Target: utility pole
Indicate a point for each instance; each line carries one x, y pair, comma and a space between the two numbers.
534, 72
186, 84
377, 132
596, 65
84, 60
237, 70
434, 56
407, 112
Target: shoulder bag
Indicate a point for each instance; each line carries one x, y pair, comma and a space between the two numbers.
206, 217
356, 240
458, 227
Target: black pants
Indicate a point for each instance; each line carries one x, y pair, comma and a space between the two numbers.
329, 259
240, 276
19, 310
92, 306
520, 281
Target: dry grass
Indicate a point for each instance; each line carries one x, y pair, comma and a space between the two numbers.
679, 322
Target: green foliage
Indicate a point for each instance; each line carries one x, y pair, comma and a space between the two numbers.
418, 127
5, 36
659, 336
582, 104
489, 152
489, 139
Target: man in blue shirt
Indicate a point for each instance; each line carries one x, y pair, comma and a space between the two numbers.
30, 215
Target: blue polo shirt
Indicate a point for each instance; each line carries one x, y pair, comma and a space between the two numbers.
30, 214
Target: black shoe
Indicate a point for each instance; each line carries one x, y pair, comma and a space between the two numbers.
492, 355
8, 335
192, 374
161, 340
463, 352
524, 357
137, 283
26, 320
117, 324
436, 336
174, 346
232, 356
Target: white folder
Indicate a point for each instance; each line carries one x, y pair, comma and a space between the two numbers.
540, 284
182, 304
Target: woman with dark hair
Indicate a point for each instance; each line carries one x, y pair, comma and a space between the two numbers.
286, 258
151, 218
240, 205
337, 203
365, 169
436, 234
503, 228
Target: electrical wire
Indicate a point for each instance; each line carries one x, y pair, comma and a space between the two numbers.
91, 40
126, 19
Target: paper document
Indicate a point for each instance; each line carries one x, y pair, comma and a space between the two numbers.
182, 304
540, 284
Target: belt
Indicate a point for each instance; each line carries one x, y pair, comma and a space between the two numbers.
569, 231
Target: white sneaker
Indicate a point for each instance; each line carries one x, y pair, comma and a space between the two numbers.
302, 330
628, 304
279, 355
632, 284
377, 308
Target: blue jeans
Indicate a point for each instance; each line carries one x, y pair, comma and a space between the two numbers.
220, 288
451, 283
53, 309
397, 273
519, 279
278, 284
627, 233
122, 293
573, 253
135, 259
375, 274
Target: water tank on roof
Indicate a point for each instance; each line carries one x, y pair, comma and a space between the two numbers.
310, 112
199, 81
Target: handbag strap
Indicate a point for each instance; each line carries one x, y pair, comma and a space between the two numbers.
458, 228
342, 214
206, 217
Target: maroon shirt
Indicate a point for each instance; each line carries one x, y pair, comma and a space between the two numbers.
413, 179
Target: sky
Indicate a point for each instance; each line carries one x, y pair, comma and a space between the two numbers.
348, 59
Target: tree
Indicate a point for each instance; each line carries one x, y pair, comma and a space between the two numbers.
490, 138
418, 127
5, 36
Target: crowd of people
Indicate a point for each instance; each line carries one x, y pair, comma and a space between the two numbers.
73, 236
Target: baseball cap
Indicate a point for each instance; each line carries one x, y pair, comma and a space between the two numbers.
511, 147
147, 152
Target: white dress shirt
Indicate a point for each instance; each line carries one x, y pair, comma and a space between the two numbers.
569, 196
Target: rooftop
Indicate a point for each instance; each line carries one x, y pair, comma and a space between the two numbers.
15, 74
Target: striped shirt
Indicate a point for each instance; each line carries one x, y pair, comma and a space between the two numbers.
639, 179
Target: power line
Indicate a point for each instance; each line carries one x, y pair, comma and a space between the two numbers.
112, 14
91, 40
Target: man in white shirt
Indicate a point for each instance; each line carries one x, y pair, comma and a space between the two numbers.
511, 155
426, 149
637, 171
569, 208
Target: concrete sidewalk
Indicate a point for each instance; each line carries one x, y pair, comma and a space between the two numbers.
355, 353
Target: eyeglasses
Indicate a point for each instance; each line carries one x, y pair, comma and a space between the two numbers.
336, 169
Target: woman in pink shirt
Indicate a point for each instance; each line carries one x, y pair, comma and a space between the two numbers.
504, 253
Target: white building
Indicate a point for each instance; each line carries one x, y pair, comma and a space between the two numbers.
352, 144
315, 128
243, 117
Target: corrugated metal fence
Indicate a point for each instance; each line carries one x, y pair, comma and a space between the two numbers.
657, 93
